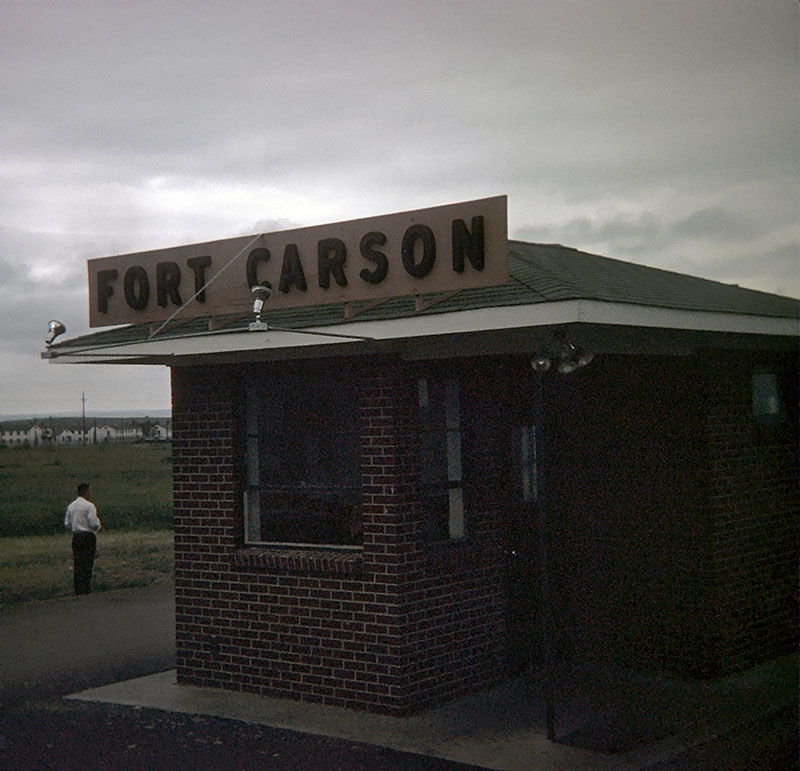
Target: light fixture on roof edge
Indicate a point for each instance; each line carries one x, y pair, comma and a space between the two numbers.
564, 356
541, 363
261, 293
55, 328
573, 358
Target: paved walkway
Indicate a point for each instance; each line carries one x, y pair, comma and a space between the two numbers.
606, 720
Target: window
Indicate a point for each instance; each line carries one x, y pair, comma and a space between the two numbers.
525, 464
303, 454
440, 462
768, 407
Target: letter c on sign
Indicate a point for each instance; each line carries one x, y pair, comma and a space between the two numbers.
425, 265
259, 254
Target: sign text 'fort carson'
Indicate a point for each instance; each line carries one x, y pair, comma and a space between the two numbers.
445, 248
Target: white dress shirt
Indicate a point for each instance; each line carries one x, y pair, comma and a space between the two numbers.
81, 516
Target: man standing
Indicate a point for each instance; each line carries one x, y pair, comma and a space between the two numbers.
81, 518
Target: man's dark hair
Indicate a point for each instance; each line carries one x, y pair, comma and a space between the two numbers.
83, 487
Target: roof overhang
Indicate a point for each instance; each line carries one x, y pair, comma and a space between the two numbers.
605, 326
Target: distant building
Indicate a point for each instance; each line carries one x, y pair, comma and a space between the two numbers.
101, 434
23, 435
34, 432
68, 436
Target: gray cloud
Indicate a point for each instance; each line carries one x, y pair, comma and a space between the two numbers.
714, 223
644, 231
775, 270
712, 242
270, 226
39, 282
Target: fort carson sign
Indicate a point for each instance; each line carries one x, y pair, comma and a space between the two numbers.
452, 247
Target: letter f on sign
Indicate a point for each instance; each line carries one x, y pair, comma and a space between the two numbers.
105, 288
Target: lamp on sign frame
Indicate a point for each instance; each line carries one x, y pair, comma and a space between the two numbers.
54, 329
261, 293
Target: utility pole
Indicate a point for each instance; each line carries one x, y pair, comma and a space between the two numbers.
83, 412
565, 358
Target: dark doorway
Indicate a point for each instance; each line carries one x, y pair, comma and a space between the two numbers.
502, 441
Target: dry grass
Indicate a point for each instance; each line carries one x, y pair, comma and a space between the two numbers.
40, 567
131, 486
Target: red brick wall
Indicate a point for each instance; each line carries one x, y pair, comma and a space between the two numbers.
626, 512
674, 520
389, 629
673, 529
754, 515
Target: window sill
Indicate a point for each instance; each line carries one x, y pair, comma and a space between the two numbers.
283, 560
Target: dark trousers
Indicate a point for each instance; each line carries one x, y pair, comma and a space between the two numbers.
84, 546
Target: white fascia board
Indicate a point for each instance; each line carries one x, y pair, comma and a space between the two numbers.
620, 314
166, 349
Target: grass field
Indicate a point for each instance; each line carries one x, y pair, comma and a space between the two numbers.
40, 567
131, 486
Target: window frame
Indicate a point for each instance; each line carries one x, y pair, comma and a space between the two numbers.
254, 485
774, 427
453, 444
761, 400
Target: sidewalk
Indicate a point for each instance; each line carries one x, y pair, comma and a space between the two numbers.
604, 720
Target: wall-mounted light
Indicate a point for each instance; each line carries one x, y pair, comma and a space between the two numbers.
573, 358
541, 363
564, 356
261, 293
54, 329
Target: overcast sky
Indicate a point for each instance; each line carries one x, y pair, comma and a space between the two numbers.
664, 132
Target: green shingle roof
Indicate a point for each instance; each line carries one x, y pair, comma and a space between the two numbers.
538, 273
560, 273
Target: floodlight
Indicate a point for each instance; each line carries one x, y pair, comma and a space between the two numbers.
55, 328
561, 354
261, 293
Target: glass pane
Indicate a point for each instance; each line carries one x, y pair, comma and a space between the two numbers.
766, 396
436, 513
309, 454
524, 458
456, 512
440, 458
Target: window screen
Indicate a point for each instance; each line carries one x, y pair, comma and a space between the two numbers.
440, 462
303, 462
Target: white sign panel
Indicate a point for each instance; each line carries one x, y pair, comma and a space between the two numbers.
457, 246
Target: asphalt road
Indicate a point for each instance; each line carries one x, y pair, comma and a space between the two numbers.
54, 648
61, 646
768, 744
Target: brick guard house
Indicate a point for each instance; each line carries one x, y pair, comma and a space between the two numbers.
359, 521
